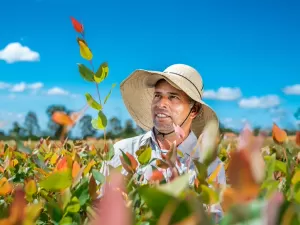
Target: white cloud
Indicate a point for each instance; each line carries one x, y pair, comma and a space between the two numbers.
19, 87
57, 91
292, 90
36, 85
263, 102
15, 52
4, 85
223, 94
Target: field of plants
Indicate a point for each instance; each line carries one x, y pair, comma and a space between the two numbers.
66, 182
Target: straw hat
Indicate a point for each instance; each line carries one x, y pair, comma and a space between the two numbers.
137, 93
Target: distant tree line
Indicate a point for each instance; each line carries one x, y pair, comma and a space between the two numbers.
30, 129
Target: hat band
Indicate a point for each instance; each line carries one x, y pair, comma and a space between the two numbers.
189, 81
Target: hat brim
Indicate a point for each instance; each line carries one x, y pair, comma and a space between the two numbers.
137, 93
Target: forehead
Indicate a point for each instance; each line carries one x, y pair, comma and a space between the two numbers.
164, 87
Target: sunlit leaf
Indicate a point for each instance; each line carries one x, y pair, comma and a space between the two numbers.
101, 121
77, 26
108, 95
75, 169
30, 187
102, 72
176, 186
53, 159
162, 164
279, 135
214, 174
85, 52
144, 155
32, 212
88, 167
92, 102
209, 195
5, 186
73, 206
85, 72
57, 180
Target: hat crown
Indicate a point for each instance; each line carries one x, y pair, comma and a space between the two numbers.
188, 72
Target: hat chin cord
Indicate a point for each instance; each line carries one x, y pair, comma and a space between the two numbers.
164, 134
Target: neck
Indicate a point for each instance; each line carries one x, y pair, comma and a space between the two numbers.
165, 141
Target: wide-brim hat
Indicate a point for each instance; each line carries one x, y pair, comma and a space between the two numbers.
137, 92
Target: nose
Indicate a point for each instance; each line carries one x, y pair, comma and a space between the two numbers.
162, 102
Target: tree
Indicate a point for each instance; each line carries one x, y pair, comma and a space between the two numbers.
54, 128
129, 130
86, 127
31, 124
16, 130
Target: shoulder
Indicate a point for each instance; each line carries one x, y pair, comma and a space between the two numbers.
130, 145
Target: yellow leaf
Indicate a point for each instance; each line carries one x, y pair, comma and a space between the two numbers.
32, 212
5, 186
88, 167
53, 159
30, 187
214, 174
75, 169
296, 177
85, 52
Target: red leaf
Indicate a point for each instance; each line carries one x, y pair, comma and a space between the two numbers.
77, 26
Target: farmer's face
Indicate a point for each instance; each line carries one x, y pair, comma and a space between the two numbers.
169, 105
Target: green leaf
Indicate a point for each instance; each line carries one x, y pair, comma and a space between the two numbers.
98, 176
158, 200
85, 73
73, 206
144, 155
101, 122
175, 187
57, 181
66, 221
82, 192
106, 98
92, 102
101, 73
279, 165
201, 170
54, 210
209, 196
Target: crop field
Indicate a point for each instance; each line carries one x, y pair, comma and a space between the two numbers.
69, 182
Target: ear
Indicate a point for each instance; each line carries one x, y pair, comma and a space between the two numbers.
195, 110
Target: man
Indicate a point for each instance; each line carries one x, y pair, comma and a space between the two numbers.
160, 101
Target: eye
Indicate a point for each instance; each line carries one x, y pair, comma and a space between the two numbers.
174, 97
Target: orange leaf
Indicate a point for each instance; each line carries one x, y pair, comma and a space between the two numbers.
93, 188
298, 138
133, 162
240, 175
157, 176
62, 118
5, 187
77, 26
278, 134
75, 169
62, 164
17, 210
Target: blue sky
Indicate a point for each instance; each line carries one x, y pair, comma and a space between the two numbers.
247, 52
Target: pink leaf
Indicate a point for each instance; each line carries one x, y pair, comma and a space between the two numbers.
112, 209
179, 131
